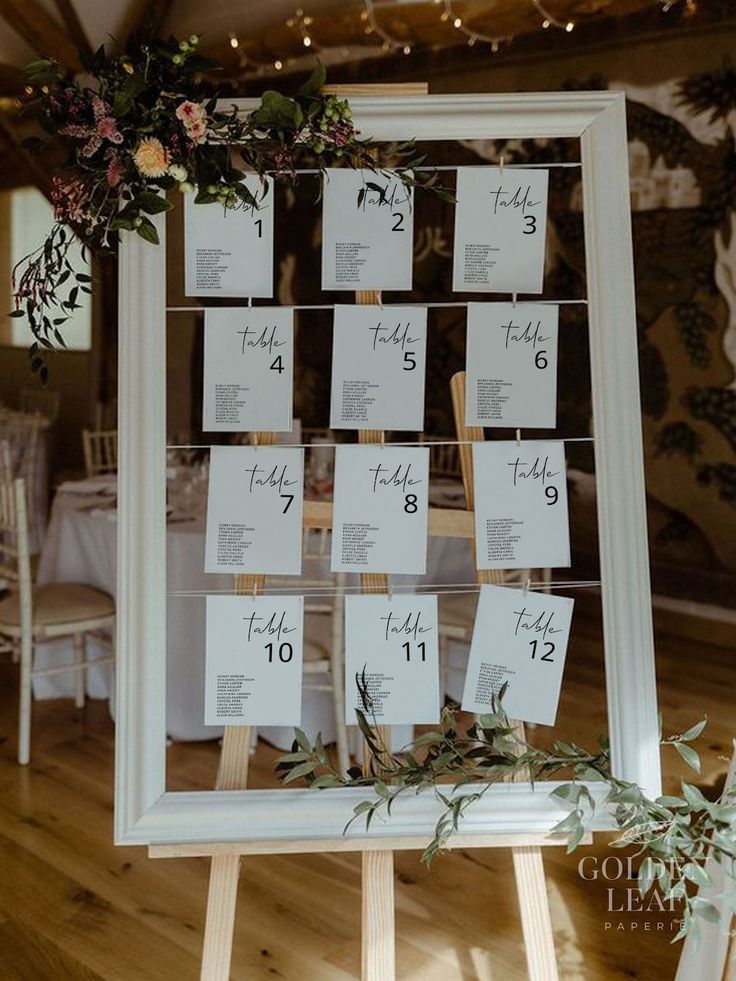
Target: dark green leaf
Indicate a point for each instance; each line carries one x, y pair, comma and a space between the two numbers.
147, 231
315, 81
152, 204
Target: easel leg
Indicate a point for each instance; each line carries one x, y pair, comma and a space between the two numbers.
220, 922
535, 919
378, 948
528, 867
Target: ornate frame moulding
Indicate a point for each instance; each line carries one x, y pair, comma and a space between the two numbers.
144, 812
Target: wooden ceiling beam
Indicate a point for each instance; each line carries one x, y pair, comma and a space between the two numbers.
41, 32
74, 26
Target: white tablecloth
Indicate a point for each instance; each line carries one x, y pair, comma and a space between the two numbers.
81, 547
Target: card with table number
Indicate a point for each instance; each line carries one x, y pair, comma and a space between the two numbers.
378, 360
500, 230
248, 369
254, 510
519, 640
511, 365
367, 230
521, 518
379, 519
391, 659
229, 251
254, 654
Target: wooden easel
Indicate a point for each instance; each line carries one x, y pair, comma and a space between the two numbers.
377, 907
528, 866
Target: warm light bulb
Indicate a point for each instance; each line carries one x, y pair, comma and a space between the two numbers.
569, 26
545, 24
364, 15
233, 41
445, 15
278, 65
494, 46
307, 42
471, 41
407, 49
457, 22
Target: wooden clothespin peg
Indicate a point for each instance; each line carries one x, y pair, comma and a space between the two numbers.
513, 299
500, 164
527, 584
518, 437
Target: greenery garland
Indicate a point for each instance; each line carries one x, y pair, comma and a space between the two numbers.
674, 835
146, 127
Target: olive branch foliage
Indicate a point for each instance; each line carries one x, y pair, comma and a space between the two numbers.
678, 839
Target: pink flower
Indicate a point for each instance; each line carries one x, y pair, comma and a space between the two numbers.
104, 128
194, 119
187, 110
114, 171
69, 200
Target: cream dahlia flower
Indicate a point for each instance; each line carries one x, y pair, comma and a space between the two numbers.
151, 157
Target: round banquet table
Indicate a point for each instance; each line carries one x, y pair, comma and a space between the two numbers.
81, 546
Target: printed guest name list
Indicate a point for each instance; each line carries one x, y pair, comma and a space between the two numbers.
229, 251
520, 641
254, 657
521, 519
378, 359
248, 369
379, 521
367, 231
254, 510
391, 659
500, 228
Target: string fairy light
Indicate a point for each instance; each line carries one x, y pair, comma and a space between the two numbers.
473, 36
549, 19
301, 23
373, 30
388, 41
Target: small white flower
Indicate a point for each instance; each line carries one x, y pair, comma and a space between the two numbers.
178, 172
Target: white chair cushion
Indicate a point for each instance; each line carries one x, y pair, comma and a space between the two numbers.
59, 603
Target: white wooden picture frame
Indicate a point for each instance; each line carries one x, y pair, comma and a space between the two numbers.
145, 813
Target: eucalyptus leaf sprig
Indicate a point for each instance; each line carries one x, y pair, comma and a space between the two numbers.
679, 839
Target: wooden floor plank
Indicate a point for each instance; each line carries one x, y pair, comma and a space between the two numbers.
73, 906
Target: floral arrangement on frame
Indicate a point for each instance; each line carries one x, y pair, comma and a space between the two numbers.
145, 129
